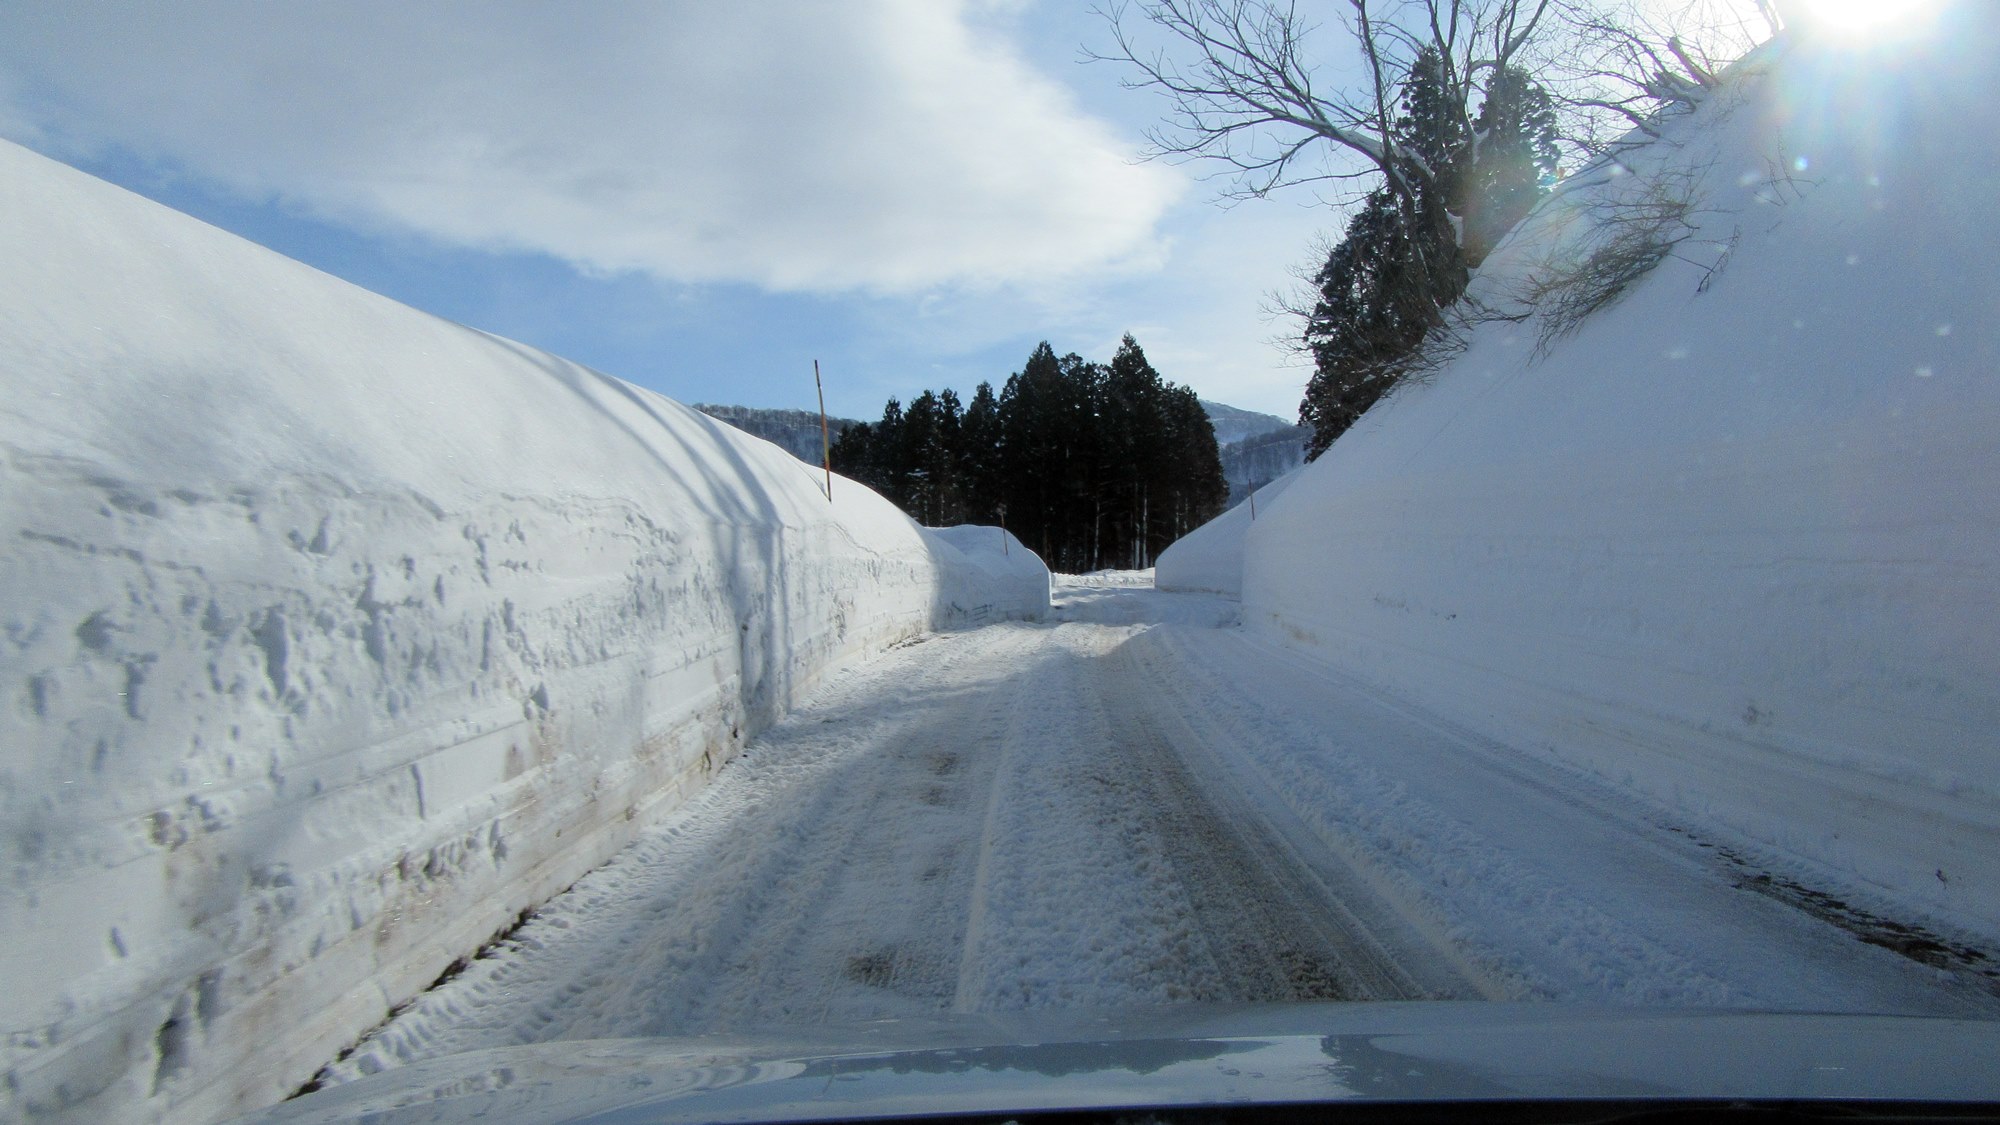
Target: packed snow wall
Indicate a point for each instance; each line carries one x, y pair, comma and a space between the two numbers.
337, 635
1734, 538
1209, 559
1002, 577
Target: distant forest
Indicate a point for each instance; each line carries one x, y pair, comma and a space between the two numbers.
1092, 465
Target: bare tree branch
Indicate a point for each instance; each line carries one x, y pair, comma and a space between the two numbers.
1244, 95
1640, 62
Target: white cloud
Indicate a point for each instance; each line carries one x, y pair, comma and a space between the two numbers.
792, 144
1202, 318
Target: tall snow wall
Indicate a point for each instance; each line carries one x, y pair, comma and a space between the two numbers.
336, 636
1209, 559
1736, 540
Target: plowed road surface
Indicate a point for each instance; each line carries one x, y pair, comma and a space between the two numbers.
1140, 805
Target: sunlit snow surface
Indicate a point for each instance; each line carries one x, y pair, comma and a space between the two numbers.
1210, 558
1658, 663
336, 635
1136, 806
1734, 542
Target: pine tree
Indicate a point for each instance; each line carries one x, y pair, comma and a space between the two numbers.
943, 459
853, 455
1515, 160
1080, 468
1136, 428
1401, 262
1030, 405
1368, 320
979, 456
919, 440
1196, 490
891, 466
1092, 465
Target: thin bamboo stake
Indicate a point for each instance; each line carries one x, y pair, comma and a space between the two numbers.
825, 440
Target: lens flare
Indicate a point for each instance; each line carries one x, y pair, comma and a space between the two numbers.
1863, 16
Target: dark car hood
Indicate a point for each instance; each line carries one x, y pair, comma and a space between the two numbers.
1198, 1056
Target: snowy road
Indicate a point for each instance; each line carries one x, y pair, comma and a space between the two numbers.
1135, 806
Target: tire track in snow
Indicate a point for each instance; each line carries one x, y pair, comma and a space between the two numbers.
1286, 918
872, 924
1086, 815
1548, 882
1391, 945
1077, 905
662, 939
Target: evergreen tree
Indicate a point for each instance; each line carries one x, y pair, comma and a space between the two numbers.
1091, 465
1195, 488
891, 466
927, 447
1080, 467
1136, 429
1030, 431
855, 455
1515, 161
914, 439
1431, 129
945, 458
979, 456
1164, 471
1401, 260
1359, 332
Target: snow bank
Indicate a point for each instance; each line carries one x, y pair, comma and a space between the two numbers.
1209, 559
336, 636
1736, 541
994, 575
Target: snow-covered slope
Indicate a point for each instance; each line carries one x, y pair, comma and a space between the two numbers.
1233, 423
1209, 559
336, 636
1736, 541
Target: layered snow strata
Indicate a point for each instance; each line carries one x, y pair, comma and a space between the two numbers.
336, 636
1735, 538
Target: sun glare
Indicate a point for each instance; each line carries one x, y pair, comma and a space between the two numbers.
1865, 16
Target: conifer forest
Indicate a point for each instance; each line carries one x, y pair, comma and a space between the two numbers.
1092, 465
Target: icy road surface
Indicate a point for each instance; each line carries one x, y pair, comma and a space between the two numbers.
1139, 805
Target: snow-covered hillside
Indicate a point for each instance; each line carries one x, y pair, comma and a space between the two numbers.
336, 636
1233, 423
1258, 460
1736, 540
797, 432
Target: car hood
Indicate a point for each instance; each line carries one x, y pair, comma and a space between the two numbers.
1193, 1056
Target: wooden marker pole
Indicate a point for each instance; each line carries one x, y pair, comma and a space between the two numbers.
825, 439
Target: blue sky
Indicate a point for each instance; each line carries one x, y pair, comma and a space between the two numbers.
699, 198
